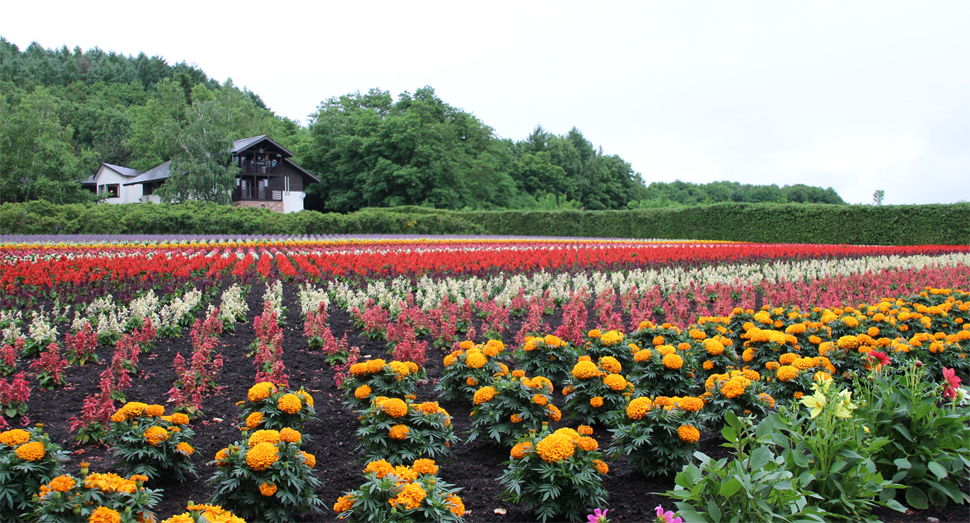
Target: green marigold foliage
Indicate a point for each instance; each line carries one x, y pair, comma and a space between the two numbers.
281, 408
610, 343
403, 494
596, 392
557, 475
67, 499
658, 436
146, 442
511, 407
546, 356
425, 431
465, 371
28, 459
375, 378
266, 478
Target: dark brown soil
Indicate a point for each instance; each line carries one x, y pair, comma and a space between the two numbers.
474, 468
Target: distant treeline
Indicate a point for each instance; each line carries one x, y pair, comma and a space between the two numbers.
764, 222
65, 111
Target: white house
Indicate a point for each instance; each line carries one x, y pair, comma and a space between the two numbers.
267, 178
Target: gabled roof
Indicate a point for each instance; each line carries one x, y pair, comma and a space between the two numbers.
239, 146
124, 171
157, 173
301, 169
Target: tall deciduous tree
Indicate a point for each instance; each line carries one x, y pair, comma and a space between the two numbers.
200, 168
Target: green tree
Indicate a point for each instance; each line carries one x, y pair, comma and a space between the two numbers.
37, 157
200, 168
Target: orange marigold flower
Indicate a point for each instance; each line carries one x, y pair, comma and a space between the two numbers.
185, 448
104, 515
425, 466
659, 340
713, 347
254, 420
306, 397
518, 373
400, 368
290, 403
539, 399
61, 483
673, 361
521, 449
585, 370
554, 413
688, 433
585, 430
410, 497
221, 455
596, 401
290, 436
375, 366
471, 381
552, 341
642, 355
455, 505
799, 395
708, 365
786, 373
400, 431
587, 443
615, 382
601, 466
787, 358
261, 391
155, 411
14, 437
610, 364
689, 403
515, 418
394, 407
359, 369
638, 408
343, 504
595, 333
267, 489
848, 343
180, 418
555, 447
612, 337
475, 359
155, 435
767, 399
492, 348
484, 394
309, 459
362, 392
732, 388
264, 436
262, 456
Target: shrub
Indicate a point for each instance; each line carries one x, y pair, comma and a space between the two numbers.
468, 369
929, 444
558, 475
97, 497
419, 430
658, 436
547, 356
267, 478
609, 343
28, 459
662, 370
269, 407
147, 442
511, 407
401, 494
596, 392
376, 378
741, 393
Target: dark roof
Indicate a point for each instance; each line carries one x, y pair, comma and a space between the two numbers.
124, 171
89, 182
301, 169
157, 173
239, 146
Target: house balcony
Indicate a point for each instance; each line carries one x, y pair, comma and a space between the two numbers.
272, 192
261, 167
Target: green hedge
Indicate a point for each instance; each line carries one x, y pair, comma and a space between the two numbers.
775, 223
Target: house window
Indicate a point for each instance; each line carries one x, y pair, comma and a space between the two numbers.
286, 184
111, 189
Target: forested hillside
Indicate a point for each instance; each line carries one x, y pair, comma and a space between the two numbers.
63, 112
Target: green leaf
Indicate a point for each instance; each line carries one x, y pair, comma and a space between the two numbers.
902, 463
759, 458
895, 505
916, 498
937, 469
730, 488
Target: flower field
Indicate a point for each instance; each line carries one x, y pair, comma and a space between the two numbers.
476, 379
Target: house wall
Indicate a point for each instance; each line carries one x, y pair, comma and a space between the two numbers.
130, 194
293, 202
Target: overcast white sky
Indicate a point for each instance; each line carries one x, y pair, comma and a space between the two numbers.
858, 95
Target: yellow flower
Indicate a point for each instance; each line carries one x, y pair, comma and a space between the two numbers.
399, 431
713, 347
552, 341
155, 435
32, 451
400, 368
521, 449
362, 392
309, 459
688, 433
555, 447
638, 408
12, 438
601, 466
343, 504
816, 402
848, 342
673, 361
306, 397
261, 391
264, 436
262, 456
290, 404
611, 338
786, 373
585, 370
254, 420
475, 359
411, 497
267, 489
104, 515
290, 436
395, 407
484, 394
610, 364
